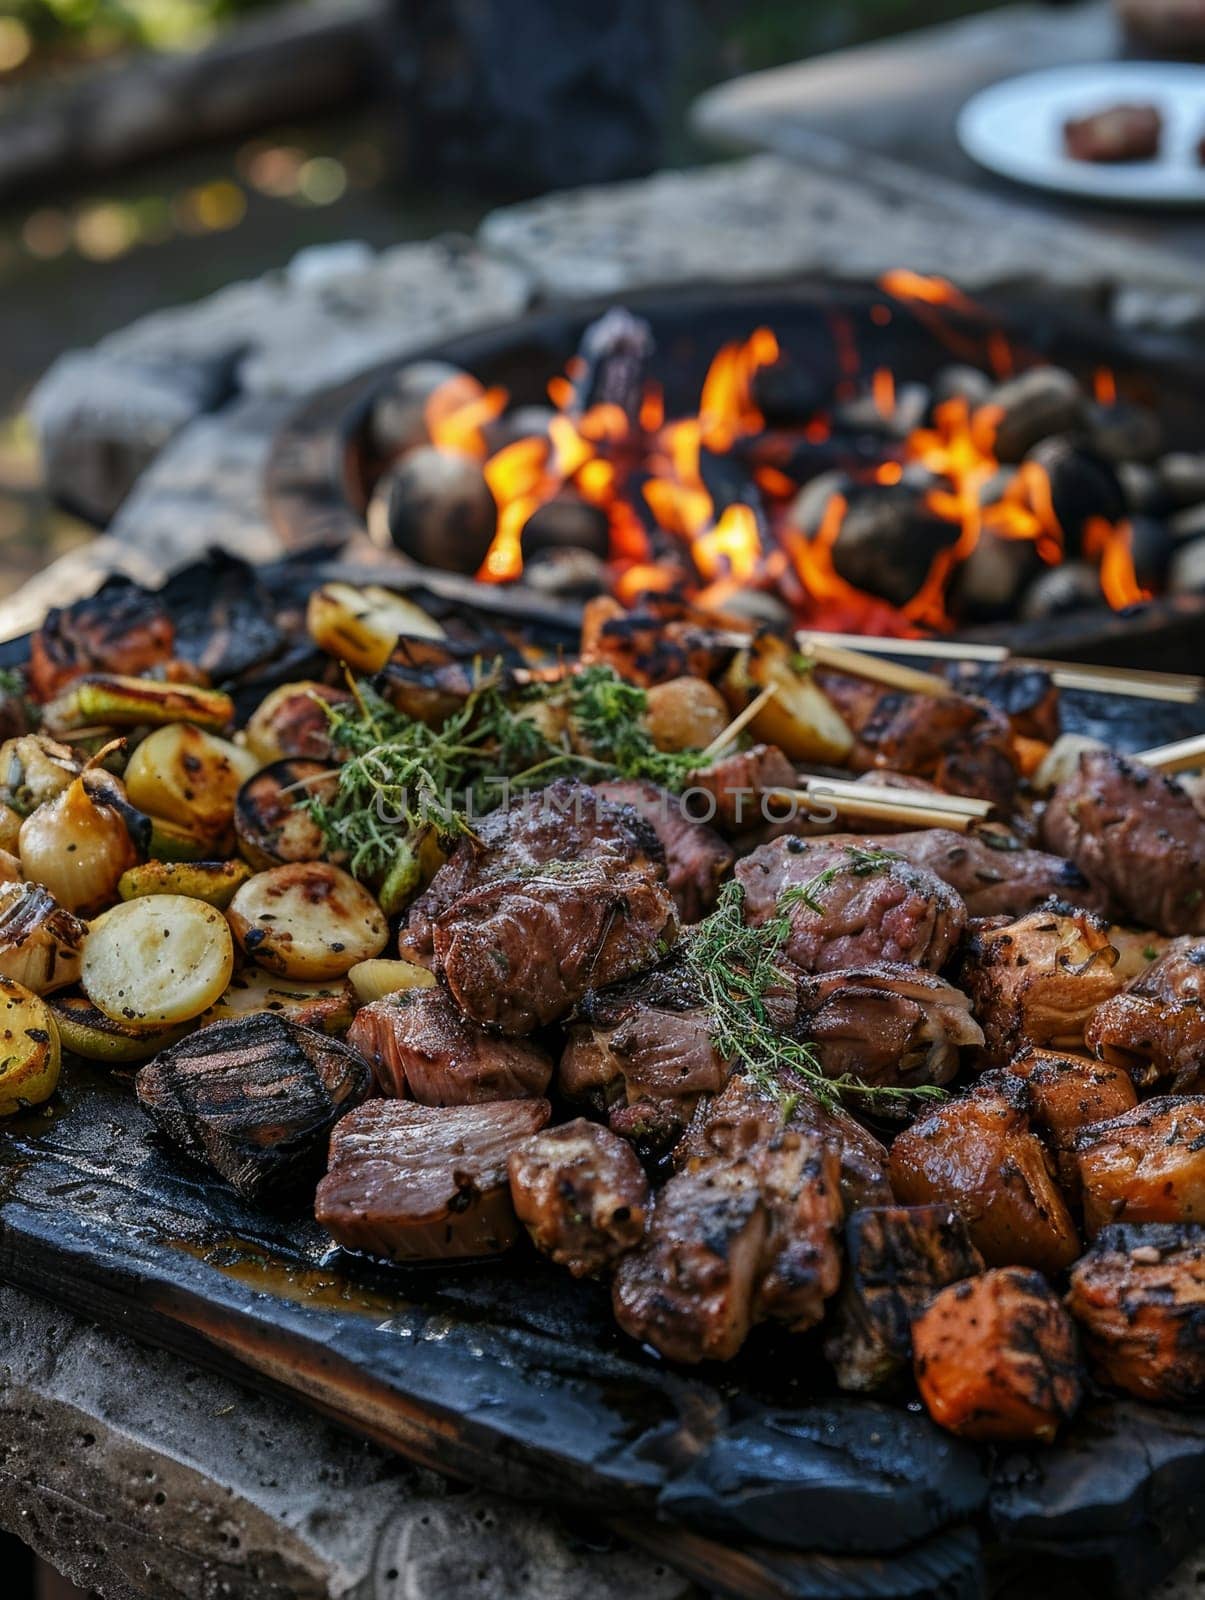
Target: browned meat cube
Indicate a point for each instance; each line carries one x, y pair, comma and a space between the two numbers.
850, 907
423, 1049
733, 790
979, 1155
1066, 1093
1145, 1166
1156, 1029
521, 953
581, 1194
1115, 133
1139, 1298
412, 1182
697, 859
995, 1358
688, 1290
1135, 834
1037, 981
897, 1257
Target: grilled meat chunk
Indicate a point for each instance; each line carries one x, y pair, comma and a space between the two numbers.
888, 1024
122, 628
1066, 1093
254, 1099
655, 643
697, 859
1038, 980
581, 1194
1156, 1029
849, 907
1116, 133
1027, 696
995, 1358
1137, 836
413, 1182
1147, 1165
1138, 1296
733, 792
979, 1155
566, 822
897, 1258
520, 953
423, 1049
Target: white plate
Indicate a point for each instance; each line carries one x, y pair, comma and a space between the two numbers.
1015, 128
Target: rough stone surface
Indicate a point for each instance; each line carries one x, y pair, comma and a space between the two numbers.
144, 1478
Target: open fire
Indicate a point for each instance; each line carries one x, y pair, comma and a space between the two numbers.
881, 506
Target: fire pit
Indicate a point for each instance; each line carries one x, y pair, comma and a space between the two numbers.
893, 461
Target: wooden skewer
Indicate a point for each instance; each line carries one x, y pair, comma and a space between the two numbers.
875, 805
738, 724
861, 664
1181, 756
905, 799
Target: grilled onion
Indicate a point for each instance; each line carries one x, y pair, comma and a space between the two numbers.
41, 943
307, 920
215, 882
10, 867
374, 979
292, 721
161, 958
187, 776
79, 844
29, 1049
33, 769
362, 626
800, 719
10, 827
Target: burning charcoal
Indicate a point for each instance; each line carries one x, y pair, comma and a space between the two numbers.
812, 502
255, 1099
1190, 523
569, 574
888, 540
961, 383
615, 353
1123, 432
440, 510
399, 413
1023, 411
897, 1257
1152, 548
1060, 590
1082, 486
785, 394
1183, 479
524, 422
1187, 572
1143, 489
567, 522
988, 584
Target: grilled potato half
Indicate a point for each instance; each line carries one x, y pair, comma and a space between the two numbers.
159, 959
800, 718
271, 823
188, 776
307, 920
362, 626
328, 1007
29, 1049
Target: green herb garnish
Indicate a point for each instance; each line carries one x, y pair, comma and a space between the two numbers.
861, 863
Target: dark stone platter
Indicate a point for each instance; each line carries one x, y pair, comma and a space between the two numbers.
757, 1478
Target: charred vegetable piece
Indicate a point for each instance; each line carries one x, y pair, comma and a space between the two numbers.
979, 1155
415, 1182
10, 825
685, 714
1145, 1166
122, 628
897, 1258
995, 1358
581, 1194
362, 626
215, 882
270, 820
799, 718
41, 944
34, 768
1037, 981
1138, 1296
29, 1049
423, 1049
165, 958
255, 1099
1066, 1093
378, 977
110, 700
173, 841
293, 721
10, 868
329, 1007
188, 776
86, 1031
307, 920
79, 844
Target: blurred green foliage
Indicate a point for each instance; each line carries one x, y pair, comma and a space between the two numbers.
96, 26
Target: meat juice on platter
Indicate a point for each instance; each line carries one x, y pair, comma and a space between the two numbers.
472, 951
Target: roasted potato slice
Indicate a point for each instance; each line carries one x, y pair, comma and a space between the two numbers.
188, 777
29, 1049
271, 823
362, 626
110, 700
292, 721
159, 959
1147, 1165
215, 882
685, 714
374, 979
995, 1358
86, 1031
41, 943
328, 1007
800, 718
307, 920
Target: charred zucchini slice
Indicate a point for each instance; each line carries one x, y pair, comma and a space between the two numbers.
29, 1049
86, 1031
111, 700
215, 882
159, 959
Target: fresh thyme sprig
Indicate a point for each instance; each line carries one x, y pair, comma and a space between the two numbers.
737, 969
608, 714
861, 863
